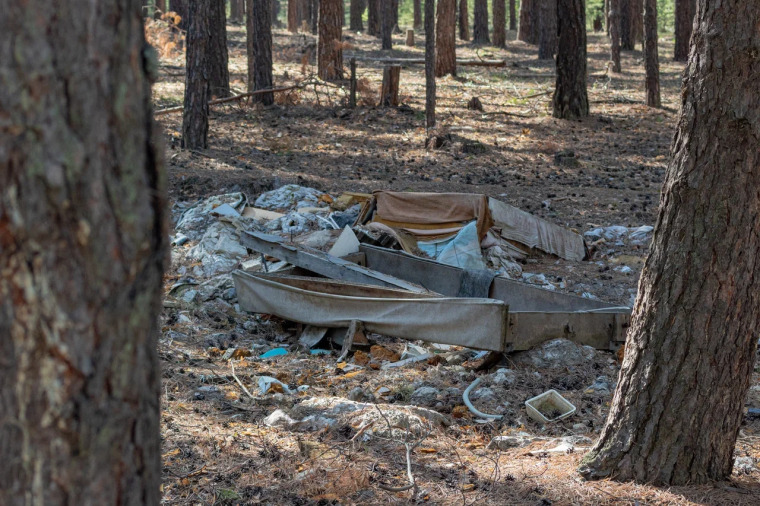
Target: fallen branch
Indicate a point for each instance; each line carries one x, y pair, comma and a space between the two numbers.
180, 108
421, 61
473, 410
505, 113
240, 382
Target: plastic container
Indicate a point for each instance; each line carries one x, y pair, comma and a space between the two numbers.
550, 406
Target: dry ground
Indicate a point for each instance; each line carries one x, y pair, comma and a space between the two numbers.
216, 449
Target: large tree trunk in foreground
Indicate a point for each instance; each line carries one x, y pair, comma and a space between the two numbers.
329, 50
547, 33
570, 96
386, 24
499, 23
445, 38
356, 11
684, 11
219, 74
464, 21
197, 85
691, 346
429, 64
480, 24
651, 58
82, 247
259, 46
527, 29
614, 24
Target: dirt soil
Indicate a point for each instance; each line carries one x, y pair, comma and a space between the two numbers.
220, 447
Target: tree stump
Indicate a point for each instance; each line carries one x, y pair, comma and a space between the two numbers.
410, 37
389, 91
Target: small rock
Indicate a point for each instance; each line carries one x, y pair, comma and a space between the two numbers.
424, 396
504, 377
236, 354
744, 465
602, 385
507, 442
556, 353
357, 394
384, 354
278, 418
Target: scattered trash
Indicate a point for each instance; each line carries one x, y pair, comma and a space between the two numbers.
236, 354
267, 383
320, 352
274, 352
548, 407
289, 197
346, 244
473, 410
555, 353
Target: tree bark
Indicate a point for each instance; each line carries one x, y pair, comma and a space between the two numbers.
259, 46
180, 7
396, 28
684, 11
417, 23
512, 15
614, 24
313, 17
637, 21
386, 24
691, 346
276, 13
197, 70
373, 17
429, 64
570, 99
390, 86
356, 11
499, 23
527, 28
651, 58
219, 74
237, 10
626, 41
547, 20
294, 21
329, 50
82, 249
445, 38
480, 26
464, 21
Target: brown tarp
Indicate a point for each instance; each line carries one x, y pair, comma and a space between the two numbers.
432, 215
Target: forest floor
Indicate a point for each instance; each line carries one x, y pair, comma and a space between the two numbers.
217, 448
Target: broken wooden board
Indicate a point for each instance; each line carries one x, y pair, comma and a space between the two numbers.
475, 323
446, 280
603, 331
323, 264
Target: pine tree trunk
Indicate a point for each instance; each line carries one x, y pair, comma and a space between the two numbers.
396, 28
386, 24
499, 23
259, 46
464, 21
637, 21
373, 17
417, 23
480, 26
237, 11
685, 10
626, 41
547, 21
82, 249
429, 64
651, 57
527, 28
197, 70
162, 7
293, 16
512, 15
180, 7
329, 51
570, 99
691, 346
614, 24
356, 11
276, 13
445, 38
219, 74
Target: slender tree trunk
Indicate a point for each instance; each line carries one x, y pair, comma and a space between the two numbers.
691, 346
429, 64
464, 21
162, 6
637, 21
527, 28
276, 13
373, 17
499, 23
684, 11
219, 74
626, 41
396, 28
329, 50
614, 24
259, 46
386, 23
180, 7
547, 20
82, 249
197, 71
512, 15
651, 58
237, 11
480, 26
570, 96
417, 24
294, 21
445, 38
356, 11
